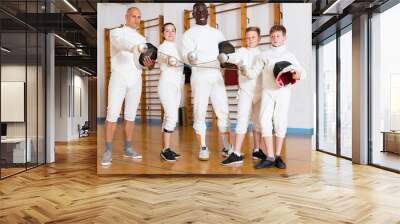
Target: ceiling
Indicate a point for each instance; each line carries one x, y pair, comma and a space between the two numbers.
76, 23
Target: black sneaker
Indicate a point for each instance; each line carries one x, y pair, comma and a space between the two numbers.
279, 163
259, 155
168, 155
265, 164
233, 159
176, 154
226, 151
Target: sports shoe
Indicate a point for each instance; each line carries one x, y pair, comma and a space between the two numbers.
265, 164
132, 153
259, 155
176, 154
227, 151
233, 159
204, 154
107, 158
168, 155
279, 163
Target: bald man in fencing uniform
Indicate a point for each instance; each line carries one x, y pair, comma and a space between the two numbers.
125, 82
200, 48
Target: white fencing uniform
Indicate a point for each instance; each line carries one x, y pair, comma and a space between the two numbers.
170, 86
206, 82
126, 80
275, 101
249, 90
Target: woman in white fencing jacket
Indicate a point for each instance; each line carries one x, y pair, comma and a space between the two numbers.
170, 87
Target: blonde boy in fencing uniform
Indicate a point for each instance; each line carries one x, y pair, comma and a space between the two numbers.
249, 98
275, 98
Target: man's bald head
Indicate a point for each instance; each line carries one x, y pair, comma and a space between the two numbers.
133, 17
132, 9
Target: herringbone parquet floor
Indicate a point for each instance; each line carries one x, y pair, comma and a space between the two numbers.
69, 191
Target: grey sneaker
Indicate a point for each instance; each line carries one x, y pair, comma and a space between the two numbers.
132, 153
107, 158
204, 154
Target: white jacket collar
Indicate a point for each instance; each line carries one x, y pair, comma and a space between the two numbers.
253, 48
279, 49
201, 26
130, 28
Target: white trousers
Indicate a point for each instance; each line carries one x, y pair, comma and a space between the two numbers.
119, 88
247, 109
208, 84
170, 96
274, 112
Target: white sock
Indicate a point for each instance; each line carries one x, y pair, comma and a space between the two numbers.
238, 153
225, 139
203, 140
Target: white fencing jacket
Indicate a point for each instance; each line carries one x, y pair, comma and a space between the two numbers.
204, 40
122, 59
169, 73
247, 56
265, 63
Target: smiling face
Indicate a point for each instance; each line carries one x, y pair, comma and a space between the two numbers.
133, 17
200, 13
169, 32
252, 39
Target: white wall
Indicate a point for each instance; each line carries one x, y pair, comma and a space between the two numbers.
263, 17
313, 75
14, 73
33, 126
68, 82
176, 17
299, 41
17, 73
61, 103
80, 115
297, 20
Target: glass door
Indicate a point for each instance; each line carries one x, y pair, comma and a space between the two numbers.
327, 97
